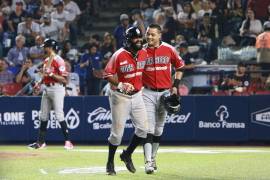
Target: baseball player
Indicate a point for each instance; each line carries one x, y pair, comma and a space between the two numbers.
124, 72
157, 82
55, 79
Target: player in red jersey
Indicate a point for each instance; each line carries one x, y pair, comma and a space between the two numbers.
55, 79
158, 82
124, 72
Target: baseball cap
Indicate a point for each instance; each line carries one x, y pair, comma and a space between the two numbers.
57, 2
123, 17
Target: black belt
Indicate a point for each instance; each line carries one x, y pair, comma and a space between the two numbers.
130, 93
52, 84
157, 89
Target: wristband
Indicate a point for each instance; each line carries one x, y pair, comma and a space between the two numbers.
176, 83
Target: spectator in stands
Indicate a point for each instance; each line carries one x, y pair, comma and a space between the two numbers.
47, 6
70, 54
29, 29
187, 79
250, 28
74, 14
37, 52
73, 86
17, 16
235, 18
91, 74
62, 18
15, 2
108, 46
187, 21
147, 8
196, 5
138, 20
237, 82
22, 76
170, 27
120, 29
205, 9
51, 29
94, 39
33, 7
18, 54
6, 76
160, 19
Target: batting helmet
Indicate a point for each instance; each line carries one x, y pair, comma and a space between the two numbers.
171, 103
50, 43
131, 33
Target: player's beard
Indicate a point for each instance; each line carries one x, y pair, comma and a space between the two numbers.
137, 45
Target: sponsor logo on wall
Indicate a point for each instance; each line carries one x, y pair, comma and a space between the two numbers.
222, 120
261, 117
100, 118
177, 119
71, 117
12, 118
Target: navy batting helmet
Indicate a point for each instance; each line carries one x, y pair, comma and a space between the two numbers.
131, 33
50, 43
171, 103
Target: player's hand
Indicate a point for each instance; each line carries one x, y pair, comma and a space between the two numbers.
125, 87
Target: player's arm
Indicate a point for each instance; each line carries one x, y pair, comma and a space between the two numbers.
179, 70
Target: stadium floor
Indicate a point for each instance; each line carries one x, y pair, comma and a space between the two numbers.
174, 162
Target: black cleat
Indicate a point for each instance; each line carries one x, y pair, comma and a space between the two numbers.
128, 161
110, 169
37, 145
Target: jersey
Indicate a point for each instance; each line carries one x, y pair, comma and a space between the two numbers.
57, 67
157, 73
127, 70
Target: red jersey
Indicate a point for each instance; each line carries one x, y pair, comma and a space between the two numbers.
157, 73
57, 67
126, 68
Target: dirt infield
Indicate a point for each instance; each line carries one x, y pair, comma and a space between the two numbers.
17, 155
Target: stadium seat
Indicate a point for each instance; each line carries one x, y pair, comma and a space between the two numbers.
11, 89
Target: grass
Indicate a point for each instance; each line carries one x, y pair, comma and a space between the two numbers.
187, 163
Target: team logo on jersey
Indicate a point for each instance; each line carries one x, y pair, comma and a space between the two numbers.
123, 62
100, 118
261, 117
222, 120
72, 118
62, 68
12, 118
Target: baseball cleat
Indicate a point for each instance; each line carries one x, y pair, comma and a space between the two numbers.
68, 145
126, 158
37, 145
149, 168
154, 164
110, 169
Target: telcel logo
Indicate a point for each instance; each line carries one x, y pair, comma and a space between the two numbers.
261, 117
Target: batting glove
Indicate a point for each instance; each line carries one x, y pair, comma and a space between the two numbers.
125, 87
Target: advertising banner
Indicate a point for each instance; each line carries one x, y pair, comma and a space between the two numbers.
13, 119
180, 127
221, 118
260, 117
